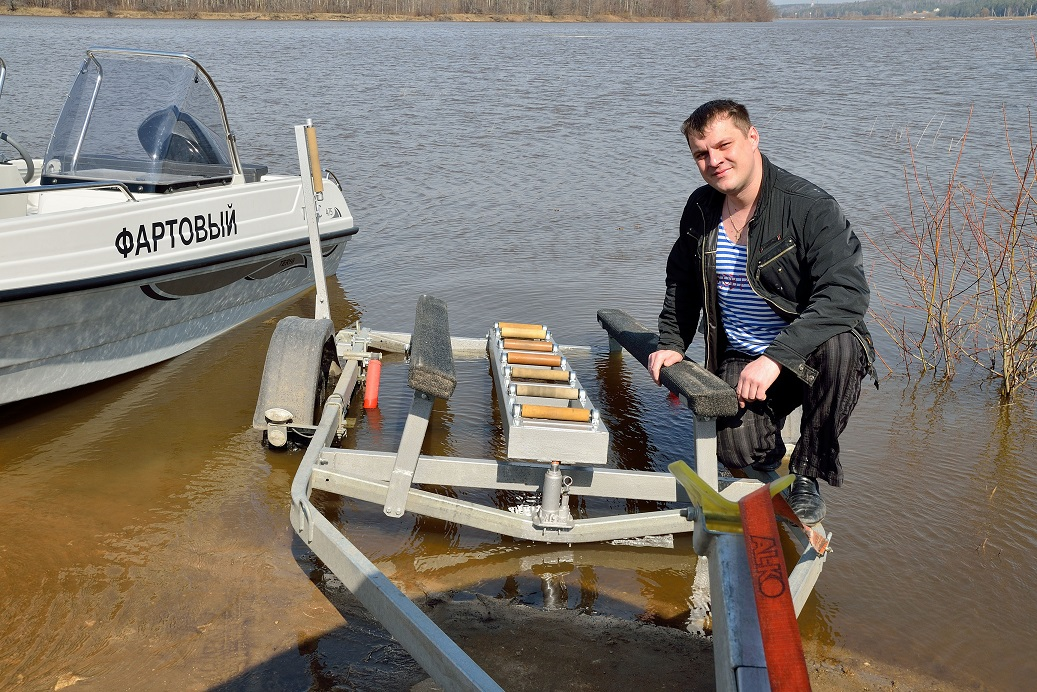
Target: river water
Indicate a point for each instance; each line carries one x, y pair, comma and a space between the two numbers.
530, 172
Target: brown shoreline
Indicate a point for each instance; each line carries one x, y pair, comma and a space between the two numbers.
526, 646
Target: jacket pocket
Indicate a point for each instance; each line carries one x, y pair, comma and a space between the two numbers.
776, 272
774, 251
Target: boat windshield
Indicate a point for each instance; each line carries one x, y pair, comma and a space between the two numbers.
152, 120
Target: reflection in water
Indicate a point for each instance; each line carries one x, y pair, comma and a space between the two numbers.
631, 446
552, 584
955, 550
588, 578
134, 512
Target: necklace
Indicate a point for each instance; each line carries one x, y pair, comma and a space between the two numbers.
736, 232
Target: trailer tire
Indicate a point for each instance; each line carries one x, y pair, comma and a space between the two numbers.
301, 365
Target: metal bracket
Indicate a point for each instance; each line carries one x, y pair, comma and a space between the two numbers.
407, 455
553, 511
567, 440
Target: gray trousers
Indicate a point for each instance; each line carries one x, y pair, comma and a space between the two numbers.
754, 434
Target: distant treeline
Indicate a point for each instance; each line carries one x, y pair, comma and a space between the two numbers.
686, 10
894, 9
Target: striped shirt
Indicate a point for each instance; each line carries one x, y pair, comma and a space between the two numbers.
750, 323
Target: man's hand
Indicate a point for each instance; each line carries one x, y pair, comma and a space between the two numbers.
660, 359
755, 379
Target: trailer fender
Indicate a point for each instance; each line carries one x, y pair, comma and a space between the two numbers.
300, 362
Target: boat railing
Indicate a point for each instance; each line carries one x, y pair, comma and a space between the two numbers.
88, 185
328, 175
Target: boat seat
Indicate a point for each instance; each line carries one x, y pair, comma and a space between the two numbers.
253, 172
11, 206
56, 200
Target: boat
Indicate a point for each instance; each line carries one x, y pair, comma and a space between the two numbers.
140, 234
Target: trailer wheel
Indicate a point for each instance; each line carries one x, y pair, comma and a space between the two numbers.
301, 367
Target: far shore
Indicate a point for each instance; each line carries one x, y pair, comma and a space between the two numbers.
299, 16
504, 18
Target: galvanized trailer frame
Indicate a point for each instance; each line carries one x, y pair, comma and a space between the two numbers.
389, 480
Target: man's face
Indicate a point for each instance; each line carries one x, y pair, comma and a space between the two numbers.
726, 156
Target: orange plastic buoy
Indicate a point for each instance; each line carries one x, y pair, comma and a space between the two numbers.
374, 375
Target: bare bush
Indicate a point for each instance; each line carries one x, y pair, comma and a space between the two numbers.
1005, 270
967, 259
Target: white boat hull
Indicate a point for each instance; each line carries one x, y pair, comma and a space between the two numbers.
56, 342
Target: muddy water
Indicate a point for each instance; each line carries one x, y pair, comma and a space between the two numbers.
530, 173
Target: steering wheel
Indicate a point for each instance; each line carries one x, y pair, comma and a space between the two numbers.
30, 169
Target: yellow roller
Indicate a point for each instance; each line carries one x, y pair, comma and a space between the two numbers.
540, 374
527, 345
531, 331
577, 415
520, 325
551, 359
547, 391
721, 515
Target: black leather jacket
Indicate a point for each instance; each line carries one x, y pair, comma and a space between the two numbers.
803, 259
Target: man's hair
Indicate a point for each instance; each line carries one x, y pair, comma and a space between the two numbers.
711, 111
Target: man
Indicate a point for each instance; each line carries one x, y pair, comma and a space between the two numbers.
772, 266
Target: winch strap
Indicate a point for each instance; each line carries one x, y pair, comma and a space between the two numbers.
782, 645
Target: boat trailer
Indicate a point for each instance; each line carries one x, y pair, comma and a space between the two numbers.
557, 446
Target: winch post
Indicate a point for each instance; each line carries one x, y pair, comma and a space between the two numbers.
313, 191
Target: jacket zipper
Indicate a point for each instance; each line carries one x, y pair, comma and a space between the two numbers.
707, 302
784, 252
